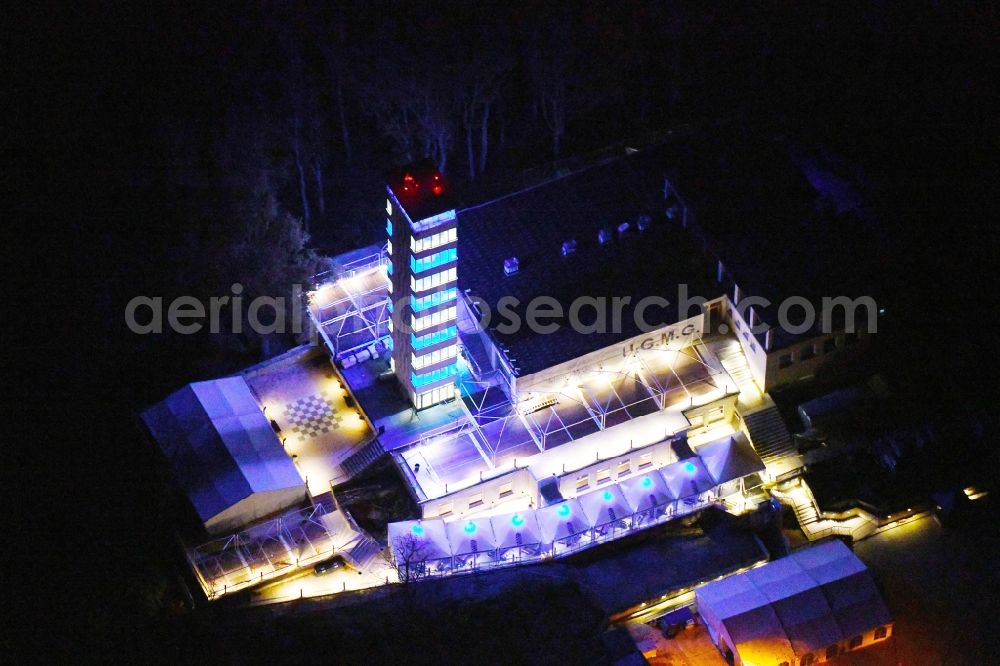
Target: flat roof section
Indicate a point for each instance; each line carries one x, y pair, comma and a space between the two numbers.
602, 412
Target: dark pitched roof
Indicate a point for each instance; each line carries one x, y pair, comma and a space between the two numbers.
532, 225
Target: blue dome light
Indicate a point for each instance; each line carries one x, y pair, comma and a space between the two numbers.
417, 529
470, 527
607, 496
563, 510
690, 468
647, 482
517, 520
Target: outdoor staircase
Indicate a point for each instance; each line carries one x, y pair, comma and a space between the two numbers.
363, 459
769, 436
806, 513
733, 360
363, 553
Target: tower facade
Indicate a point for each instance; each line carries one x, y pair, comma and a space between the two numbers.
423, 271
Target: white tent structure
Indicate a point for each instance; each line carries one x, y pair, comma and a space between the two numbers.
607, 510
728, 460
517, 536
688, 482
816, 603
420, 548
472, 543
564, 525
224, 454
648, 496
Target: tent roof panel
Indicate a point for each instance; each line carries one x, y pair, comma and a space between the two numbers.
562, 520
605, 505
220, 446
644, 491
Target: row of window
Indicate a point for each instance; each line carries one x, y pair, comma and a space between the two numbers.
436, 356
434, 396
434, 260
475, 501
420, 304
603, 475
834, 650
433, 338
388, 223
434, 319
431, 242
810, 351
435, 280
436, 375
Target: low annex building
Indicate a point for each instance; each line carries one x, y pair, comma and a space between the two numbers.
802, 609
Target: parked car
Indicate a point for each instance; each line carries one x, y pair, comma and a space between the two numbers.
332, 564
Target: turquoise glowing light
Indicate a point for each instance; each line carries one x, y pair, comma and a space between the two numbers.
517, 520
563, 510
690, 468
647, 482
470, 527
417, 529
607, 496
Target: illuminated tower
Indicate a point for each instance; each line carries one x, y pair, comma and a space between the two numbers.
423, 267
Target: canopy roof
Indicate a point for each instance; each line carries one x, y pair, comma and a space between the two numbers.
814, 598
470, 536
687, 478
508, 526
645, 491
220, 446
562, 520
730, 458
605, 506
423, 539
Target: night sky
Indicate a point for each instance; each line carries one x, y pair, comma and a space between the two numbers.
153, 150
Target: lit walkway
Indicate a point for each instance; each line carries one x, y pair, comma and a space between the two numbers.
856, 523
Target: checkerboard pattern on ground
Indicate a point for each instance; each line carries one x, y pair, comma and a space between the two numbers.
312, 415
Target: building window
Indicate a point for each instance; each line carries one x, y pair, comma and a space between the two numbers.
431, 242
434, 280
855, 641
624, 467
434, 376
753, 347
439, 317
583, 483
829, 346
645, 460
476, 500
784, 360
807, 352
427, 302
603, 475
433, 261
881, 632
445, 508
507, 489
